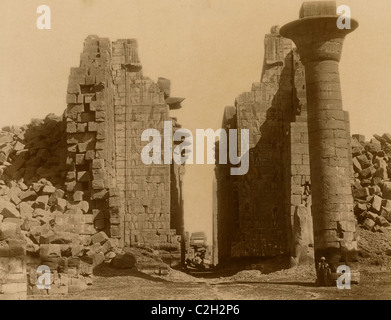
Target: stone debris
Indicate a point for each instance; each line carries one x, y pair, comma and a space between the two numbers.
372, 185
34, 151
38, 225
55, 233
73, 190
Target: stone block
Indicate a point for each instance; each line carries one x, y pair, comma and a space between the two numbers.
368, 172
17, 265
87, 229
318, 8
78, 196
100, 116
8, 210
90, 155
98, 184
15, 200
26, 211
371, 215
98, 174
50, 251
377, 203
29, 195
81, 127
99, 237
41, 202
386, 190
61, 204
369, 224
48, 190
84, 206
17, 248
98, 164
385, 213
80, 159
356, 165
4, 251
364, 161
362, 193
381, 221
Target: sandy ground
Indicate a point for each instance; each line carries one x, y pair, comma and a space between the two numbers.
294, 284
291, 284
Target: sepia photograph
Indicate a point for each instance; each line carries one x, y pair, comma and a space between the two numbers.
201, 151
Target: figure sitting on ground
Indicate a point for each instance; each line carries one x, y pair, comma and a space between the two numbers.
323, 273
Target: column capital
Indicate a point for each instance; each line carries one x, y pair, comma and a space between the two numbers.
317, 37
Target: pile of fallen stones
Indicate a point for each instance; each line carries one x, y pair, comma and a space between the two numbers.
34, 151
52, 231
42, 224
372, 185
39, 225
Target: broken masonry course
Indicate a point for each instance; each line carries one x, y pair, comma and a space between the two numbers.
74, 193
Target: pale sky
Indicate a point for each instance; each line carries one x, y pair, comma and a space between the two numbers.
212, 50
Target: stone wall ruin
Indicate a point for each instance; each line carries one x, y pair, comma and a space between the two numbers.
73, 189
297, 194
273, 198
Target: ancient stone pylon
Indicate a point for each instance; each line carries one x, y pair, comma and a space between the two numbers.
319, 42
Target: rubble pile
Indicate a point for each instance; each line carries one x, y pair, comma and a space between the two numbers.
52, 231
372, 185
31, 152
39, 225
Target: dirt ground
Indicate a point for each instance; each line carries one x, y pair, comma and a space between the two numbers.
290, 284
245, 285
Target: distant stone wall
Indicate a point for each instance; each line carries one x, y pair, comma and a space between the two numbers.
227, 213
273, 215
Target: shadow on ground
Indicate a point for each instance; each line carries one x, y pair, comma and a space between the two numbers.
106, 271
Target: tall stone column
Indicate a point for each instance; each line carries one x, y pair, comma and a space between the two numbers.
319, 42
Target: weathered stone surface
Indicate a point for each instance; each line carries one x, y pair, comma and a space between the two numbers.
28, 195
9, 230
362, 193
8, 210
42, 202
303, 237
381, 221
386, 190
377, 203
78, 196
48, 190
84, 206
17, 247
369, 224
61, 204
100, 238
386, 214
50, 250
